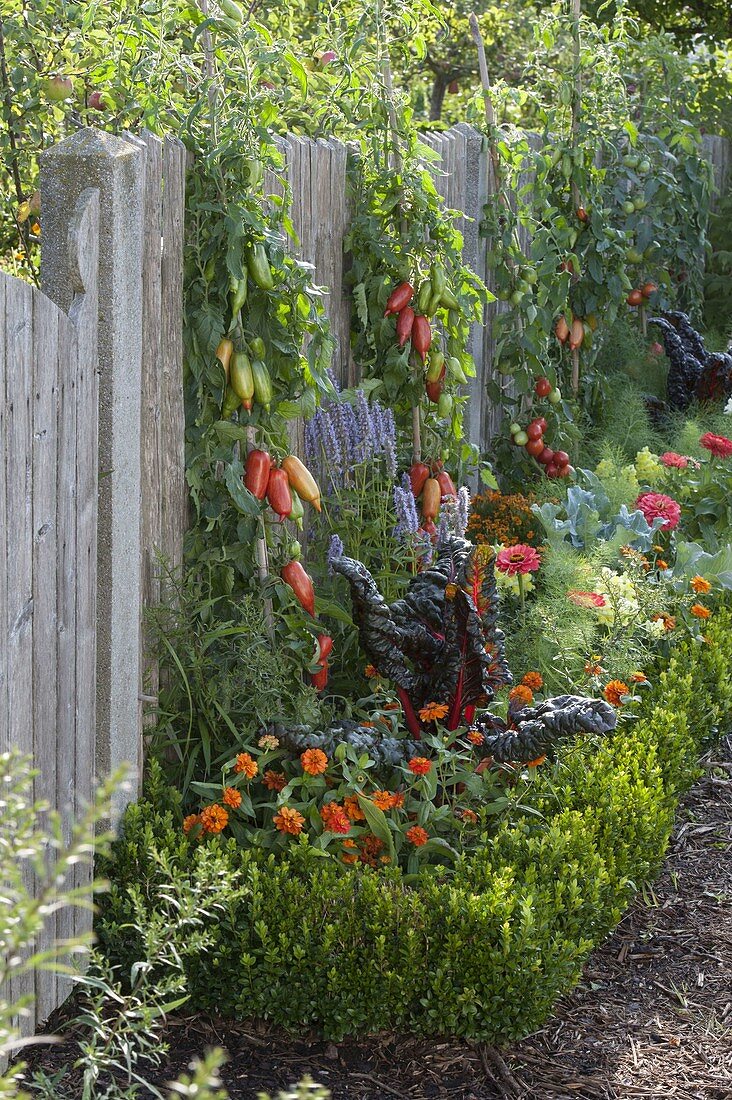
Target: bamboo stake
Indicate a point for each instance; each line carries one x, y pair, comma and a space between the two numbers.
490, 114
577, 96
575, 371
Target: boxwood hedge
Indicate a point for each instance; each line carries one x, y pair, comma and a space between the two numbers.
483, 953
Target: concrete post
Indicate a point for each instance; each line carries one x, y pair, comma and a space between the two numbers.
474, 252
116, 167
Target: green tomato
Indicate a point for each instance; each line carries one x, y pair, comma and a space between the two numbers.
554, 397
515, 428
631, 160
516, 298
633, 256
628, 206
644, 167
530, 276
521, 439
640, 204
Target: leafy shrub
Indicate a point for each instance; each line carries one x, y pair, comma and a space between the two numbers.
482, 954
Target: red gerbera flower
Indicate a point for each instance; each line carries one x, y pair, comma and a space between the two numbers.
653, 505
518, 559
718, 445
670, 458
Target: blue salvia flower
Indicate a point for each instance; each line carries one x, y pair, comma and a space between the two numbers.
389, 442
335, 551
333, 380
463, 510
366, 427
404, 505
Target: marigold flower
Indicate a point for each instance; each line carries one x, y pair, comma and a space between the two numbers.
614, 692
655, 505
433, 712
700, 584
520, 559
639, 677
274, 781
475, 737
397, 800
371, 672
353, 808
370, 849
670, 458
288, 821
269, 741
231, 797
718, 445
334, 817
535, 763
521, 694
661, 564
417, 836
214, 818
246, 764
314, 761
700, 611
191, 822
533, 680
420, 765
669, 622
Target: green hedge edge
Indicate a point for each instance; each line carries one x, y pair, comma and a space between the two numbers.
483, 954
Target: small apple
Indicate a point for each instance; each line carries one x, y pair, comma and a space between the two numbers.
97, 102
555, 397
58, 88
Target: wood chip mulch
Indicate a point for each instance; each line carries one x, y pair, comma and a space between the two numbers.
651, 1017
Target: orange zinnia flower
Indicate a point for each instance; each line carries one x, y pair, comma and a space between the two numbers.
470, 816
521, 694
391, 706
397, 800
535, 763
214, 818
533, 680
475, 737
593, 669
370, 672
232, 797
245, 763
433, 712
335, 819
314, 761
614, 691
349, 858
190, 822
700, 584
382, 800
639, 677
417, 836
353, 808
288, 821
669, 622
661, 564
700, 611
420, 765
274, 781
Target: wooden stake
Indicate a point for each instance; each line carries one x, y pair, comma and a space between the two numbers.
577, 96
575, 371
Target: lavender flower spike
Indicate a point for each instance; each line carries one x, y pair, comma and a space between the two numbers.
406, 510
463, 510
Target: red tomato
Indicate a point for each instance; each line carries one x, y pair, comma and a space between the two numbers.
546, 456
561, 458
542, 387
535, 447
535, 430
551, 470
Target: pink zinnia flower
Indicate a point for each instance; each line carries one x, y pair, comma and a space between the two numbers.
653, 505
586, 599
518, 559
719, 445
670, 458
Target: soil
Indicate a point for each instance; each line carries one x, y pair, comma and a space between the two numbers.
651, 1017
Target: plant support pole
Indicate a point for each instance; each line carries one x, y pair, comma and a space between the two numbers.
576, 109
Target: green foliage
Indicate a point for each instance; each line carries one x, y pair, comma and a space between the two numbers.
483, 954
718, 272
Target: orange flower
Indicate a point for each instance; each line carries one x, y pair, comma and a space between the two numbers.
638, 677
535, 763
533, 680
314, 761
348, 843
391, 706
232, 797
353, 808
661, 564
367, 725
190, 822
420, 765
700, 611
274, 781
245, 763
382, 800
335, 819
288, 821
433, 712
475, 737
470, 816
592, 669
370, 672
370, 848
669, 622
614, 692
417, 836
349, 858
700, 584
268, 741
214, 818
521, 694
397, 800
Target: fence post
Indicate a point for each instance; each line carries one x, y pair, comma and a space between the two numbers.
718, 151
116, 167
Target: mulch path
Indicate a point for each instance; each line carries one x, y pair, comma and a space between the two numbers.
651, 1017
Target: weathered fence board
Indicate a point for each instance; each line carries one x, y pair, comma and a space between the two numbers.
47, 621
718, 151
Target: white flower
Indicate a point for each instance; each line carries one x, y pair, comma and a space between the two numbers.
654, 629
728, 408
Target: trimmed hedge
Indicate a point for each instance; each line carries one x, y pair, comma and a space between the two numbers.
483, 953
